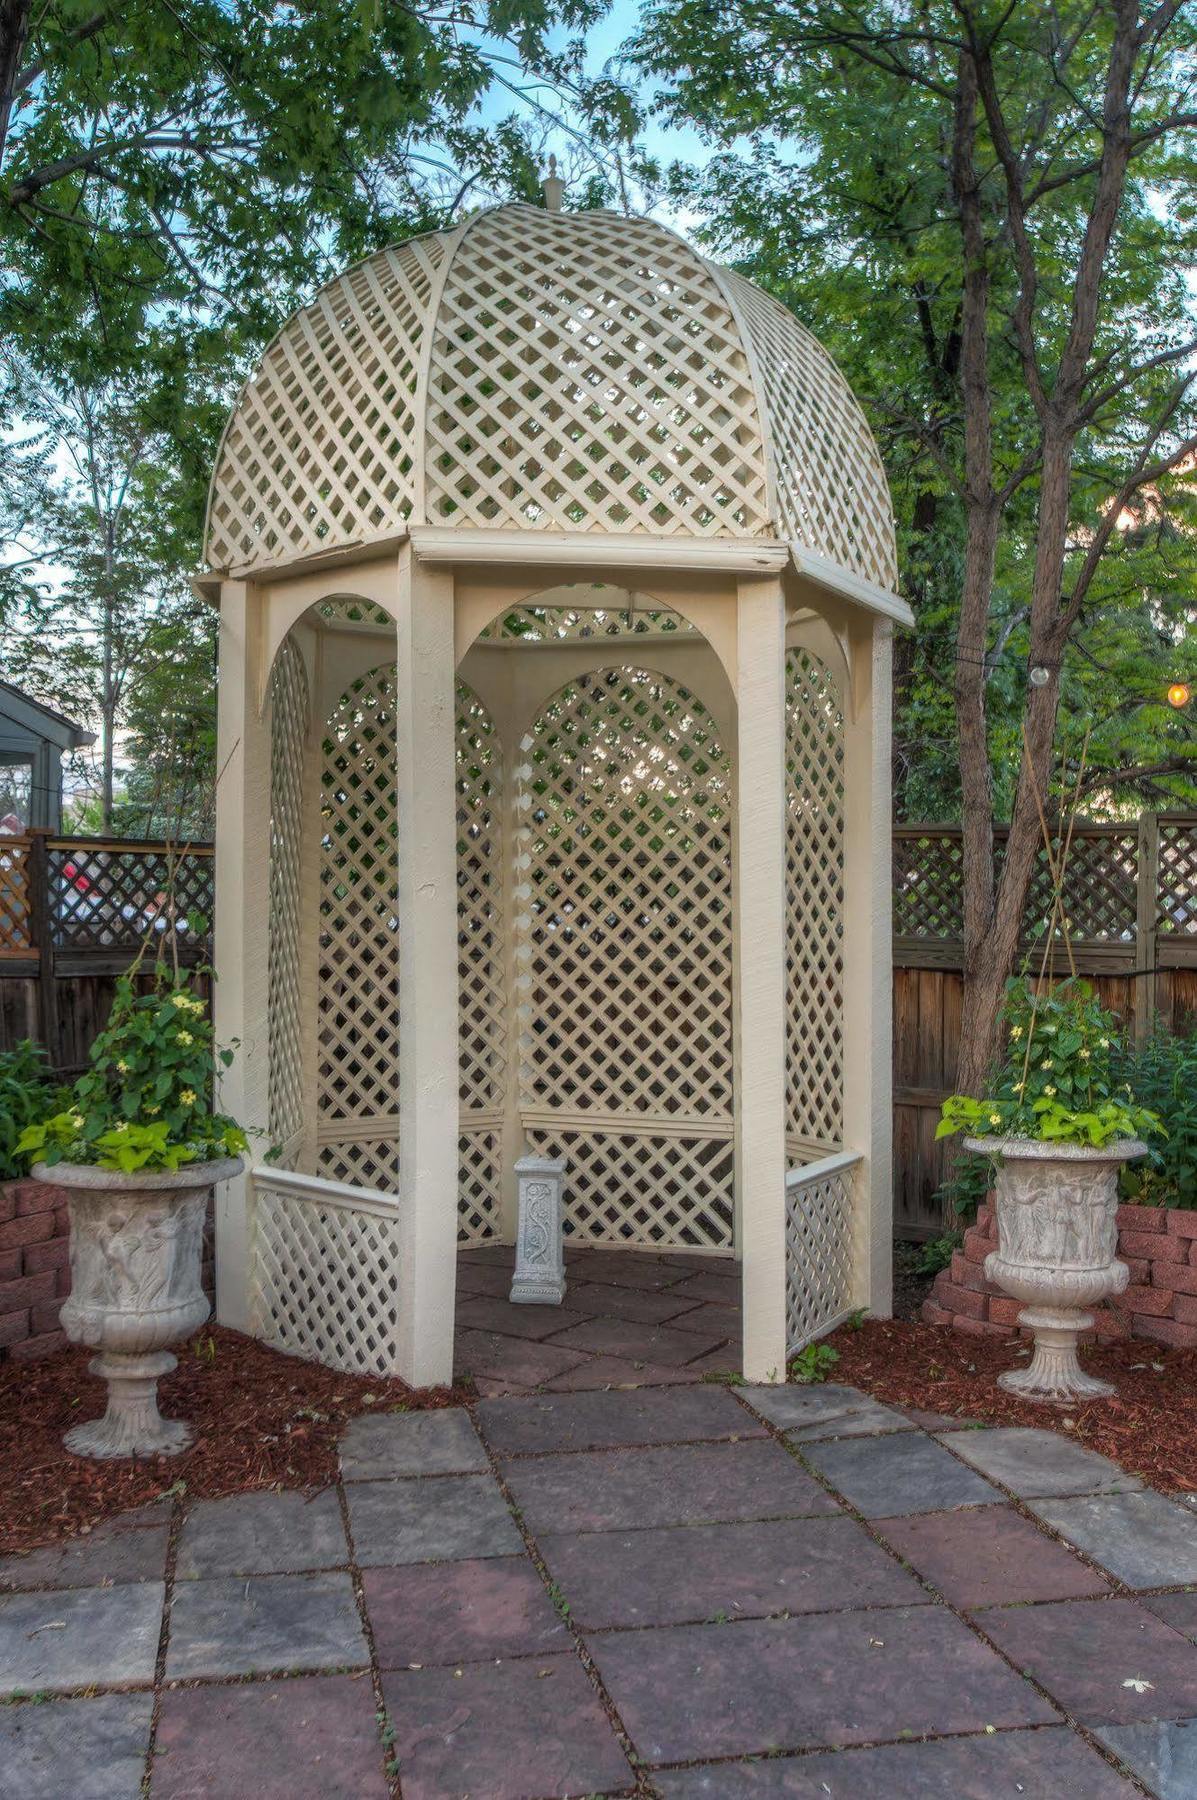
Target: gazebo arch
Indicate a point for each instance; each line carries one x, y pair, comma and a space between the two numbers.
556, 580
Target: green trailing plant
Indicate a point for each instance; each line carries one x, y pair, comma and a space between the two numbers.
1057, 1082
964, 1189
815, 1363
937, 1253
145, 1101
27, 1092
1162, 1072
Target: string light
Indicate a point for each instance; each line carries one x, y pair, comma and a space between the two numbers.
1179, 694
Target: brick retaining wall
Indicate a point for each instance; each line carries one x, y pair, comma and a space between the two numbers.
1160, 1246
35, 1270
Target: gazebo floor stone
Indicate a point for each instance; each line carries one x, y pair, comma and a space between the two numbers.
678, 1589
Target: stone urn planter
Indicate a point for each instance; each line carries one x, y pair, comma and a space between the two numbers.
1057, 1237
136, 1244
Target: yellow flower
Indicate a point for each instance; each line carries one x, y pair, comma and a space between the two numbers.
1084, 1055
187, 1097
995, 1118
1016, 1031
77, 1121
123, 1066
1019, 1086
151, 1110
1047, 1064
185, 1037
1049, 1090
1104, 1042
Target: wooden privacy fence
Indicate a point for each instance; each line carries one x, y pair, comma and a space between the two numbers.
1131, 901
74, 911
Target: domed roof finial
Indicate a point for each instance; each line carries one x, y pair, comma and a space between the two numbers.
553, 187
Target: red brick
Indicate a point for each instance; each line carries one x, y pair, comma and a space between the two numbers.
33, 1228
962, 1300
1158, 1246
934, 1314
1110, 1323
1182, 1224
1147, 1300
981, 1328
1168, 1331
8, 1200
62, 1285
984, 1217
976, 1247
1140, 1269
10, 1264
37, 1197
26, 1291
1141, 1218
55, 1253
44, 1316
36, 1347
14, 1326
968, 1275
1182, 1277
1184, 1308
1004, 1311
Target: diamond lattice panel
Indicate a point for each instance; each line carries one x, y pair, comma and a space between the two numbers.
625, 999
585, 379
321, 448
541, 624
819, 1254
832, 495
814, 901
1176, 889
288, 733
481, 966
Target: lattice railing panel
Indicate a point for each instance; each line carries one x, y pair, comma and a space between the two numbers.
479, 1184
481, 946
323, 445
585, 379
624, 868
636, 1187
814, 901
15, 926
821, 1248
324, 1279
362, 1162
544, 624
1176, 883
105, 896
832, 494
288, 737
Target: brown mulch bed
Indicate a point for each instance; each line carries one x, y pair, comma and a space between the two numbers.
261, 1420
1148, 1427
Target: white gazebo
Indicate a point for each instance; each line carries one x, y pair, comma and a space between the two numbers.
556, 575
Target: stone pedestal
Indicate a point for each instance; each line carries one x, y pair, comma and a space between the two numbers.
1057, 1237
136, 1242
539, 1248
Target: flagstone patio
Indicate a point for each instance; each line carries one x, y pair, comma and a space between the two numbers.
682, 1590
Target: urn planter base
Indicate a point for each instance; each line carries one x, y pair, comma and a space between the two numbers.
132, 1425
1054, 1373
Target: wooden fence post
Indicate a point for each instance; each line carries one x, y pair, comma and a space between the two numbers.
41, 940
1145, 917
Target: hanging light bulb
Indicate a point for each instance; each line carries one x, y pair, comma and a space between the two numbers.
1039, 676
1179, 694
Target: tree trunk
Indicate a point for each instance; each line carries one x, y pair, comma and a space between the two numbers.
14, 32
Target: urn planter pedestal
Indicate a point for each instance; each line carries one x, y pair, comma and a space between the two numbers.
136, 1245
1057, 1238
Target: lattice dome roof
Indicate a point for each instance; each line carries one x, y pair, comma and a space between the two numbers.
538, 370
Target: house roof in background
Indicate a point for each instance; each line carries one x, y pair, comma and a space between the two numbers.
33, 718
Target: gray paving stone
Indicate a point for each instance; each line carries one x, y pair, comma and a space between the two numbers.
1162, 1753
90, 1749
1142, 1539
1177, 1610
262, 1534
310, 1737
601, 1420
888, 1477
1107, 1662
237, 1626
442, 1519
80, 1637
823, 1411
131, 1547
1040, 1464
1048, 1764
380, 1445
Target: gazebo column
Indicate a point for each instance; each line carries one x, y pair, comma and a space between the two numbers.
427, 884
759, 911
240, 996
868, 957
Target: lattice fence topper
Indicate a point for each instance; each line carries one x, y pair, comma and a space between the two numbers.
547, 624
288, 737
540, 370
359, 1001
110, 897
15, 933
1176, 878
624, 996
814, 903
821, 1228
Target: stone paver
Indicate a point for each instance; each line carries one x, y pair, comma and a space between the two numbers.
991, 1557
129, 1548
598, 1421
276, 1740
693, 1691
88, 1749
532, 1726
823, 1411
906, 1472
262, 1534
79, 1637
1035, 1463
1047, 1764
511, 1358
648, 1306
1108, 1661
630, 1339
490, 1312
1177, 1610
461, 1612
680, 1484
1143, 1539
711, 1284
747, 1570
1163, 1754
425, 1443
233, 1626
616, 1371
443, 1518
